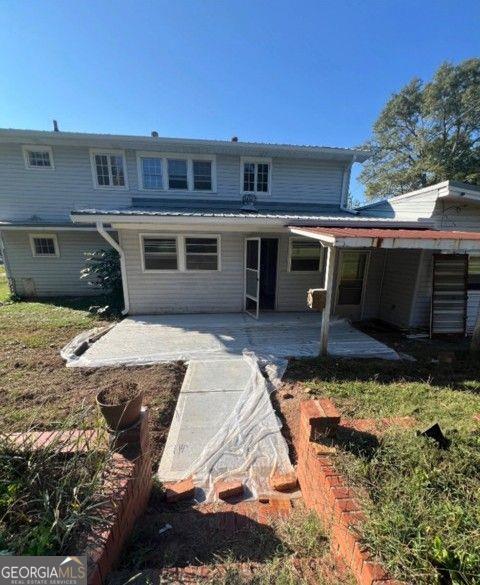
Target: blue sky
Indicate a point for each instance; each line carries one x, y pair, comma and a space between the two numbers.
307, 72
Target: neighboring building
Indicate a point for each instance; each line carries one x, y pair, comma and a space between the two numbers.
210, 226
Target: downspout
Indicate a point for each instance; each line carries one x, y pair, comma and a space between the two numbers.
345, 185
6, 263
115, 245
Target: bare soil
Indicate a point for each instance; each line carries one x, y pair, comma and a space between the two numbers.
118, 393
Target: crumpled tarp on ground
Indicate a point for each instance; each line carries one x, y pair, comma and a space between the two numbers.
225, 428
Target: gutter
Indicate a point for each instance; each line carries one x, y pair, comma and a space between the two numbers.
106, 236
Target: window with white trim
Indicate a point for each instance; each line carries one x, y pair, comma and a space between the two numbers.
44, 245
256, 176
160, 253
177, 174
109, 169
306, 255
38, 157
201, 253
202, 175
152, 172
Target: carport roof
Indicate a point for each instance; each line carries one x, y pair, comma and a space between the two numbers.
353, 237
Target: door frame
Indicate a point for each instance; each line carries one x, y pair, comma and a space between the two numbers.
245, 296
364, 283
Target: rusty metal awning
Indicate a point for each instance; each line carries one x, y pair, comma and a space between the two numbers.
429, 239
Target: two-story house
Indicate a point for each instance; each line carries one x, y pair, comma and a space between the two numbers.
205, 226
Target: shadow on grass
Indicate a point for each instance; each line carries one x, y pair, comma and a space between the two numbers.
197, 538
462, 374
83, 303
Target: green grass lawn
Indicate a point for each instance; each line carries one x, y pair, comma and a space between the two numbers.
4, 290
422, 503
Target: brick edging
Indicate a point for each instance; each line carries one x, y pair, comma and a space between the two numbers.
326, 491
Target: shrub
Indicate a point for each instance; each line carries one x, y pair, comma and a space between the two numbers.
102, 271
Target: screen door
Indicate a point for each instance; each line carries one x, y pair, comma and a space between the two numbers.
252, 276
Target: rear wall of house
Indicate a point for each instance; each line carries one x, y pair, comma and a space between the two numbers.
55, 276
215, 292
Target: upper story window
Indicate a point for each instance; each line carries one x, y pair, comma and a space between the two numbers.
108, 169
176, 172
44, 245
256, 175
305, 255
202, 175
152, 173
38, 157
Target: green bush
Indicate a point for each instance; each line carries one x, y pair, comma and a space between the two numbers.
103, 273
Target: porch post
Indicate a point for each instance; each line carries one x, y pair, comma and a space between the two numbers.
329, 268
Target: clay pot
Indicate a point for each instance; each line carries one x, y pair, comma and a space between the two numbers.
121, 416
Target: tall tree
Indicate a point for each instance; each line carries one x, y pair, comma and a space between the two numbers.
428, 132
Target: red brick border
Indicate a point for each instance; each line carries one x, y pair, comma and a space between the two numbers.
326, 491
127, 488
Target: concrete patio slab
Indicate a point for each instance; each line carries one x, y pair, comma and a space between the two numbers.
146, 339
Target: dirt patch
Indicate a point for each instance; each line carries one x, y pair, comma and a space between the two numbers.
37, 390
118, 393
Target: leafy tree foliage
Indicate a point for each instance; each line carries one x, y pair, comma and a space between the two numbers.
427, 133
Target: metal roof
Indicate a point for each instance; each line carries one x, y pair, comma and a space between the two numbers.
148, 207
191, 145
350, 237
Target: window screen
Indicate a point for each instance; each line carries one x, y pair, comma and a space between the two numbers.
152, 173
201, 253
306, 256
177, 174
160, 253
202, 175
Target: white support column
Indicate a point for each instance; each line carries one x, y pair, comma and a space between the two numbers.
329, 269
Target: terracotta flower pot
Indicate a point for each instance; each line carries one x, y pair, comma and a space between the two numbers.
123, 415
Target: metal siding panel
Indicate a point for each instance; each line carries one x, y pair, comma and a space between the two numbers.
449, 294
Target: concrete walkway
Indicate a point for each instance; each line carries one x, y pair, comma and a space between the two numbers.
224, 426
147, 339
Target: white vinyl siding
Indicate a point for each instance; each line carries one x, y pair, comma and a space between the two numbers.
45, 276
53, 195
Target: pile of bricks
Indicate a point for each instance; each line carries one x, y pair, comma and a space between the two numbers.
325, 490
126, 490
